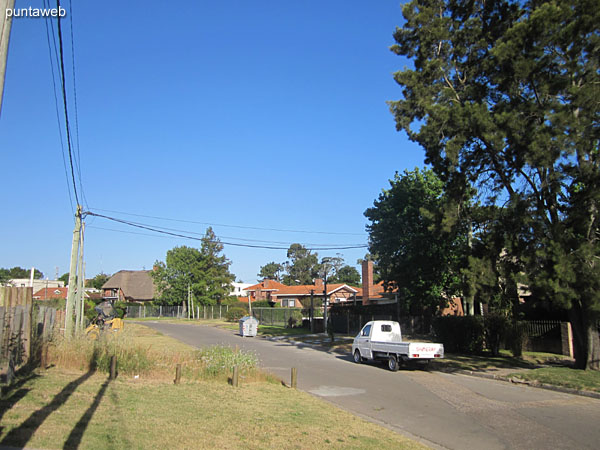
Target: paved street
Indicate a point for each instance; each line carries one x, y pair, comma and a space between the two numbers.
439, 409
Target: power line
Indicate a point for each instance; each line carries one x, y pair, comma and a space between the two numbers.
78, 159
230, 226
64, 93
235, 244
60, 133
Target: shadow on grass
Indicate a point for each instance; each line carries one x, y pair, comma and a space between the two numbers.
22, 434
76, 435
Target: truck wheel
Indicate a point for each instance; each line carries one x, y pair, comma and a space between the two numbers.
357, 358
393, 363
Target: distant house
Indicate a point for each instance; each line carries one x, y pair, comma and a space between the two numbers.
51, 293
130, 286
37, 283
238, 289
299, 296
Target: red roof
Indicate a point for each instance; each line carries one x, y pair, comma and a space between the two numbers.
51, 292
303, 289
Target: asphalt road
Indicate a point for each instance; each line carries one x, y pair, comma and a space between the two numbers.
439, 409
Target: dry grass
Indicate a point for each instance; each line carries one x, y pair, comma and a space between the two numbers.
148, 354
65, 409
70, 406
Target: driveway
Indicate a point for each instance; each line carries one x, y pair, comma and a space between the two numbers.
439, 409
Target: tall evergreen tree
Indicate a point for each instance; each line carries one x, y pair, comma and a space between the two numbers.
503, 96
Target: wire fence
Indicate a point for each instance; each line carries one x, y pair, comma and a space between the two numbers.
199, 312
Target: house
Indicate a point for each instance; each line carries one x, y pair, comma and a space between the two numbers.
37, 283
299, 296
129, 286
238, 289
51, 293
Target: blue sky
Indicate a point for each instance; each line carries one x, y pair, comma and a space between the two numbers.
262, 114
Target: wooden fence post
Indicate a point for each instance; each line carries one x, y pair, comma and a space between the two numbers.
235, 381
113, 367
178, 374
294, 377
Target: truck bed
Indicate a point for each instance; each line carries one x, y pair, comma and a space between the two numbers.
408, 350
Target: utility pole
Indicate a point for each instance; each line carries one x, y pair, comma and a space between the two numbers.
72, 276
5, 24
80, 282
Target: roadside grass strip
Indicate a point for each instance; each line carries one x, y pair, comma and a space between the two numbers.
74, 404
581, 380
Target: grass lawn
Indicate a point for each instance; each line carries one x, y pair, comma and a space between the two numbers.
586, 380
62, 408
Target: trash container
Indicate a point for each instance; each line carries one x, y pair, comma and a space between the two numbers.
248, 326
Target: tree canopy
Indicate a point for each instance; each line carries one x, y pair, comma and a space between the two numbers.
271, 271
204, 271
503, 97
415, 254
302, 265
19, 272
98, 281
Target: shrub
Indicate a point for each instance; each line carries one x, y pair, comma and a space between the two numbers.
460, 334
265, 304
295, 319
234, 314
496, 327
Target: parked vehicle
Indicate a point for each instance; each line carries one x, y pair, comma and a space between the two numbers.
382, 340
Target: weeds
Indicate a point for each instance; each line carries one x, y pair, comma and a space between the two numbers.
147, 360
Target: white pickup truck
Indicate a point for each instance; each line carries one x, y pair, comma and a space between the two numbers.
382, 340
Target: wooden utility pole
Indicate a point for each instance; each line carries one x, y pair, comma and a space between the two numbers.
80, 282
5, 24
72, 276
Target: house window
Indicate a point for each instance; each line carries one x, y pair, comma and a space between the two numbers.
291, 303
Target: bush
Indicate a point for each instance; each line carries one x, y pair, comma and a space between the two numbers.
234, 314
496, 327
265, 304
295, 319
460, 334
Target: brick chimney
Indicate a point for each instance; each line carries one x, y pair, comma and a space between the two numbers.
319, 283
367, 281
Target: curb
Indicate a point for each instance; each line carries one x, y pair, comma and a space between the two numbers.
514, 380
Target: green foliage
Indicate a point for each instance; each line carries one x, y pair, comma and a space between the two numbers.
496, 327
295, 319
204, 271
503, 97
234, 314
417, 253
302, 267
18, 272
98, 281
346, 274
265, 304
271, 271
232, 300
64, 278
460, 334
219, 359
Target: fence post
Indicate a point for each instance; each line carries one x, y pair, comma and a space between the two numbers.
220, 316
235, 378
294, 377
212, 312
566, 338
113, 367
177, 374
160, 311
